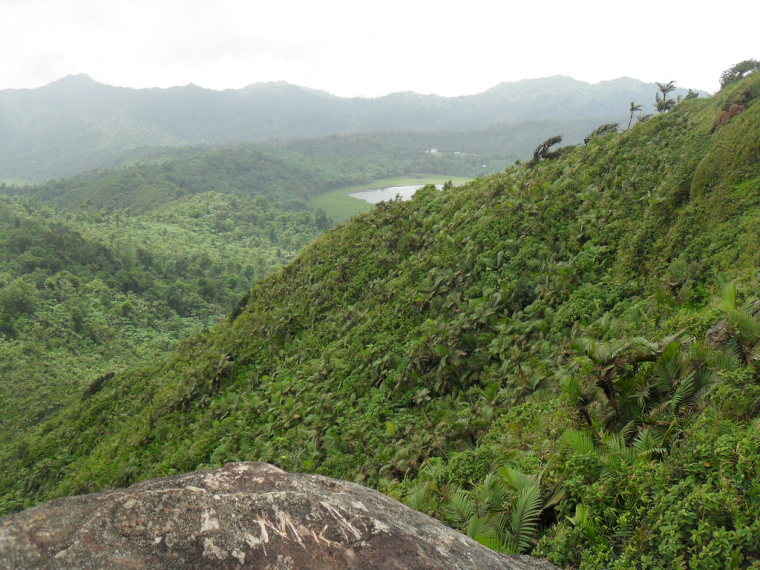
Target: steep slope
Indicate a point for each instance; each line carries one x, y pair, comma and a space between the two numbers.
77, 124
522, 357
83, 295
144, 254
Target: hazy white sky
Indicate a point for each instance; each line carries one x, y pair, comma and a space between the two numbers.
355, 47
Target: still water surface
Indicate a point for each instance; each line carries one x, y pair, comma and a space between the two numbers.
376, 195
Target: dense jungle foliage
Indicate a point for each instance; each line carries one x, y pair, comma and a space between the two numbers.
143, 257
111, 267
85, 294
561, 359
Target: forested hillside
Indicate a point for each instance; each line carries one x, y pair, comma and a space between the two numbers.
149, 252
560, 359
113, 266
287, 172
85, 294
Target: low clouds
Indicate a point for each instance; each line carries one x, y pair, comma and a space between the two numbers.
357, 48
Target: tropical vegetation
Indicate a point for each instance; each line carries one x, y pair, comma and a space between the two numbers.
561, 359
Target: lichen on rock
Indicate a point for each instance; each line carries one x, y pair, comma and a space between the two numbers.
244, 515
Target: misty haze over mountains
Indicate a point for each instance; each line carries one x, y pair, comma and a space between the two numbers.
77, 123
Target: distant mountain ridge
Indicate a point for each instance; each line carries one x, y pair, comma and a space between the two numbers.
76, 123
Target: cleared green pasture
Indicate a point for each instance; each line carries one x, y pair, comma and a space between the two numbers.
340, 206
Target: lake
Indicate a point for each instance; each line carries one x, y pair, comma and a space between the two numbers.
376, 195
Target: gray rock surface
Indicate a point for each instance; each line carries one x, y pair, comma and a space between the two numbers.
718, 334
245, 515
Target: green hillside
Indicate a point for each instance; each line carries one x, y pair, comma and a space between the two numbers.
288, 173
111, 267
526, 357
85, 294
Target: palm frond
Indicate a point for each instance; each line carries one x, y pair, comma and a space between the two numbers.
615, 442
492, 540
524, 518
730, 358
704, 376
557, 495
728, 299
517, 479
419, 498
754, 354
477, 526
494, 495
572, 389
583, 519
648, 443
669, 365
626, 432
578, 441
686, 388
459, 508
670, 339
745, 324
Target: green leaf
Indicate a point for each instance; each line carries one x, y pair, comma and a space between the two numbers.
524, 518
578, 441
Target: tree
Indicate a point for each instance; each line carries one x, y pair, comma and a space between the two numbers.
605, 129
664, 103
635, 108
542, 151
666, 88
736, 72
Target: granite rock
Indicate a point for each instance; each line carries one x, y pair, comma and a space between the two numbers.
244, 515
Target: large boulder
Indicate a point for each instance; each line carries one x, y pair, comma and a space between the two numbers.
245, 515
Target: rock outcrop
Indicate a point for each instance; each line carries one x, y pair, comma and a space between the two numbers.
245, 515
726, 116
718, 334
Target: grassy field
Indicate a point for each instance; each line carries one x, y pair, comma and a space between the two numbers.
340, 206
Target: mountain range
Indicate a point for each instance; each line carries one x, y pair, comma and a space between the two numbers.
76, 123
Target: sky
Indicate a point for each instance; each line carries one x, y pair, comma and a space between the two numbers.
370, 48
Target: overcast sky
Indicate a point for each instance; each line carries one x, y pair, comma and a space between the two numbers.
370, 48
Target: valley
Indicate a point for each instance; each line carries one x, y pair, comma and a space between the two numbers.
557, 356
